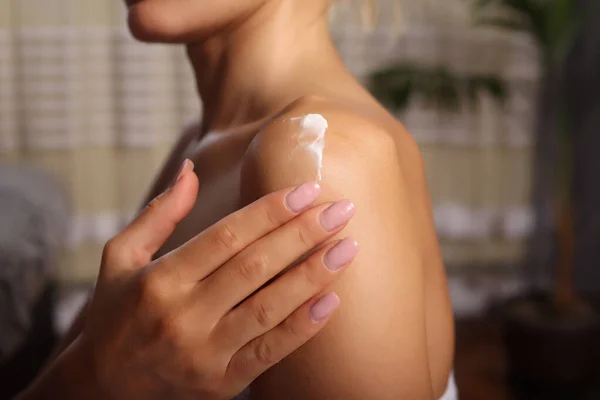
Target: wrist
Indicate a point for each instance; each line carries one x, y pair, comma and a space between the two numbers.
80, 367
70, 376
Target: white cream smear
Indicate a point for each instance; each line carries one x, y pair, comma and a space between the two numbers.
311, 138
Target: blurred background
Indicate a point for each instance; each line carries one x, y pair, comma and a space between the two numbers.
502, 96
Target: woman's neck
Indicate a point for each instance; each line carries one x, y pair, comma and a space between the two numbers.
272, 57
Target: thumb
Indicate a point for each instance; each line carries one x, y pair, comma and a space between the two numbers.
135, 246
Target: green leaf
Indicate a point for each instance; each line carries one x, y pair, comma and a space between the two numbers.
564, 24
493, 85
447, 94
472, 92
496, 87
439, 87
394, 85
479, 5
528, 13
503, 23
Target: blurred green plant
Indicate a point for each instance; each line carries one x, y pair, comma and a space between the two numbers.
439, 87
554, 25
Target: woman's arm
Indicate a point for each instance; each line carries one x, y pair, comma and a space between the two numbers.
376, 347
69, 376
71, 334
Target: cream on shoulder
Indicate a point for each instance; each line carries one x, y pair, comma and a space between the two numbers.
311, 138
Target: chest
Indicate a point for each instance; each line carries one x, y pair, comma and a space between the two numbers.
218, 163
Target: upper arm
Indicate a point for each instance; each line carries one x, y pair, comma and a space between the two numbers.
375, 345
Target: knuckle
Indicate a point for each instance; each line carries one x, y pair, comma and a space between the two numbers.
264, 314
113, 251
227, 238
139, 257
304, 236
295, 329
311, 273
150, 290
254, 268
170, 331
264, 352
271, 216
116, 251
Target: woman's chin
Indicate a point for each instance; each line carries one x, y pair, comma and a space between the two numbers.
179, 21
163, 22
148, 24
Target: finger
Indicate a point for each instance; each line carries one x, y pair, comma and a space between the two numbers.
222, 241
135, 246
273, 304
265, 351
257, 264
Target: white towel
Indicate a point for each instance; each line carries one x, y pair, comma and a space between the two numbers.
451, 389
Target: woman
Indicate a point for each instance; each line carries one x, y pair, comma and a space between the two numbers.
281, 109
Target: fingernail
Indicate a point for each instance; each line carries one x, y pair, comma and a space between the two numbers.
341, 254
337, 215
303, 196
324, 307
186, 166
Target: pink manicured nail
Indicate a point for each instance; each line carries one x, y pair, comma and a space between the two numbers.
186, 166
337, 215
324, 307
303, 196
341, 254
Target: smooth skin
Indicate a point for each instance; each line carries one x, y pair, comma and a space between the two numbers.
195, 323
257, 64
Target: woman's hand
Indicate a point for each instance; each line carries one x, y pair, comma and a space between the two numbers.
194, 324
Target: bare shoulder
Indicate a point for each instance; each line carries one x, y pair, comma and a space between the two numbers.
354, 145
382, 293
